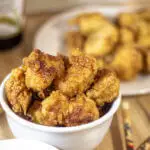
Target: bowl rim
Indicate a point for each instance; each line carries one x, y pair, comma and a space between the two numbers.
42, 128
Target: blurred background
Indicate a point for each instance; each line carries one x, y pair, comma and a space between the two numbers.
56, 5
20, 20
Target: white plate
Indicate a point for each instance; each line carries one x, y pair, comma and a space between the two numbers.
50, 39
20, 144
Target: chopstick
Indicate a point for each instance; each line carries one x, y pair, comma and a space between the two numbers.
127, 126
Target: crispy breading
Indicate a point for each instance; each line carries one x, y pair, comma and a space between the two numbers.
19, 97
58, 110
74, 40
127, 62
89, 22
102, 41
79, 75
42, 69
81, 110
51, 111
105, 88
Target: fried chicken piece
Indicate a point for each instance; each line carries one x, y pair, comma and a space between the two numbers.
127, 36
139, 27
74, 40
129, 20
127, 62
35, 113
105, 88
19, 97
79, 75
82, 110
58, 110
89, 22
51, 111
42, 69
102, 41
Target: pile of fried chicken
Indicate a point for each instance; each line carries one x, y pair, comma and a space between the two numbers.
59, 90
122, 45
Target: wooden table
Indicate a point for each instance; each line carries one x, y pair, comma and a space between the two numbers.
114, 140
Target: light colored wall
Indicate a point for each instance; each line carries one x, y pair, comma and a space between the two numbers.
37, 6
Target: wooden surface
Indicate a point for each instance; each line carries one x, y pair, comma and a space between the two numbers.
114, 140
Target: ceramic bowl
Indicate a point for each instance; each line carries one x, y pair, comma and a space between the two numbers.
83, 137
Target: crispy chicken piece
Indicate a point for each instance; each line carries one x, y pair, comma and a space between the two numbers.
89, 22
79, 75
102, 41
127, 62
138, 25
35, 113
74, 40
129, 20
127, 36
19, 97
42, 69
58, 110
105, 88
82, 110
51, 111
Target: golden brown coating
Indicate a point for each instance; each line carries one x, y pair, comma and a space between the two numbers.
129, 20
127, 36
102, 41
35, 113
19, 97
58, 110
74, 40
79, 75
138, 25
81, 110
51, 111
105, 88
89, 22
127, 62
42, 69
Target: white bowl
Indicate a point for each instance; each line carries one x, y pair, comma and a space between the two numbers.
83, 137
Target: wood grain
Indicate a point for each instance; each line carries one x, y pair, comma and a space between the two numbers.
114, 140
